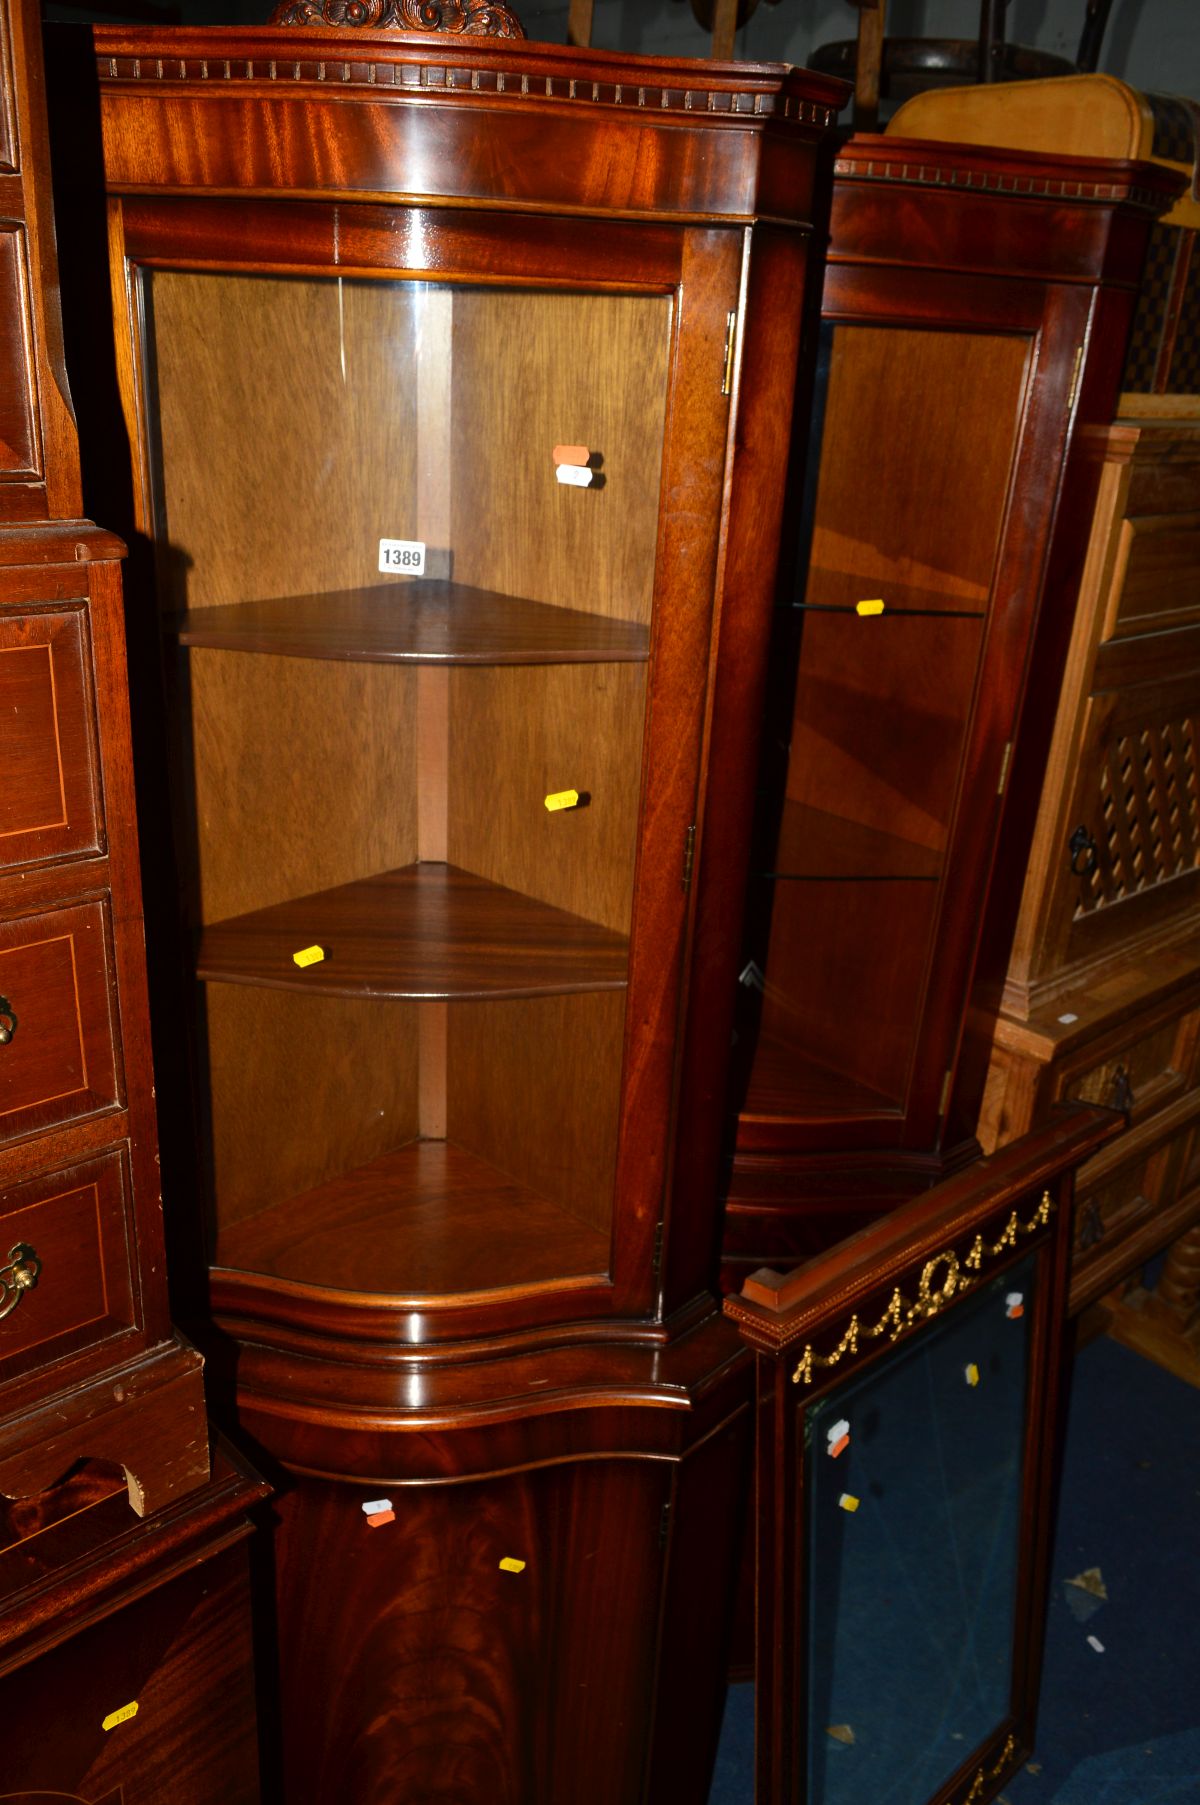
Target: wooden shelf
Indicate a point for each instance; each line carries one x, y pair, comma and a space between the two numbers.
427, 1221
814, 844
425, 931
425, 621
787, 1083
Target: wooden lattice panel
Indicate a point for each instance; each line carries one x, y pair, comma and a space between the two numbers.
1150, 814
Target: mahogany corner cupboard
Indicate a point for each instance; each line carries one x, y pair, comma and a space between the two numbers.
974, 317
459, 376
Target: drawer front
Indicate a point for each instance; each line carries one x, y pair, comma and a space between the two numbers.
1124, 1202
1144, 1073
68, 1231
1156, 582
59, 1058
48, 805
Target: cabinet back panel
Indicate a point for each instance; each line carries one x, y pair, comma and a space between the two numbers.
309, 764
303, 1089
855, 1006
534, 1087
909, 508
516, 736
279, 469
535, 371
882, 709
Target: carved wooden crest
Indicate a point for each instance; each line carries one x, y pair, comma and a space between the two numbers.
473, 18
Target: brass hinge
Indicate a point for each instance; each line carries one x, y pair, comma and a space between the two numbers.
664, 1524
944, 1099
656, 1256
689, 855
1004, 768
1078, 366
730, 341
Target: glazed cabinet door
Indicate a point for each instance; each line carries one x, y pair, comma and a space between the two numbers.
436, 609
896, 683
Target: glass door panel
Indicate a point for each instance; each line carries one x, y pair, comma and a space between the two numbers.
873, 696
913, 1545
406, 541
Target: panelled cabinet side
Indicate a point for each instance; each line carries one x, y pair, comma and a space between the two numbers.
529, 319
90, 1365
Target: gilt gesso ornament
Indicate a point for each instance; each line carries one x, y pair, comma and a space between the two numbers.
470, 18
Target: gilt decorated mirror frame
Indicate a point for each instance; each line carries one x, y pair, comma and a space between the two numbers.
908, 1400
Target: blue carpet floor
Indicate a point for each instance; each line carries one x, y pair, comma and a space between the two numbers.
1122, 1726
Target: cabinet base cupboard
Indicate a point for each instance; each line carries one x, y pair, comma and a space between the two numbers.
459, 375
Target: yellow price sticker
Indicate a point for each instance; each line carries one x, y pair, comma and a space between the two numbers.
875, 607
562, 799
120, 1717
309, 955
510, 1565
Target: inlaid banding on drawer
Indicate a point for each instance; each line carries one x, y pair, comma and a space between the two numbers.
74, 1222
48, 805
58, 1060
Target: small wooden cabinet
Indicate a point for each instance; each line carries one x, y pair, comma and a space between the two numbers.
90, 1366
459, 377
1102, 998
972, 325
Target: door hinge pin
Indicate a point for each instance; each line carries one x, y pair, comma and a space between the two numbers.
1004, 763
1075, 374
730, 341
689, 855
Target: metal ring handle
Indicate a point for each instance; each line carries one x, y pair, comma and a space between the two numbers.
1084, 853
8, 1021
22, 1273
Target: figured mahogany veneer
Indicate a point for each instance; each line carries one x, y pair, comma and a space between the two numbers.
430, 930
433, 622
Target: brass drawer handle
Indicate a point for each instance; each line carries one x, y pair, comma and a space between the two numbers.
1122, 1090
8, 1021
20, 1275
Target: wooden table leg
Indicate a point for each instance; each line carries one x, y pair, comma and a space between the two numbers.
724, 30
868, 64
579, 22
1164, 1324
